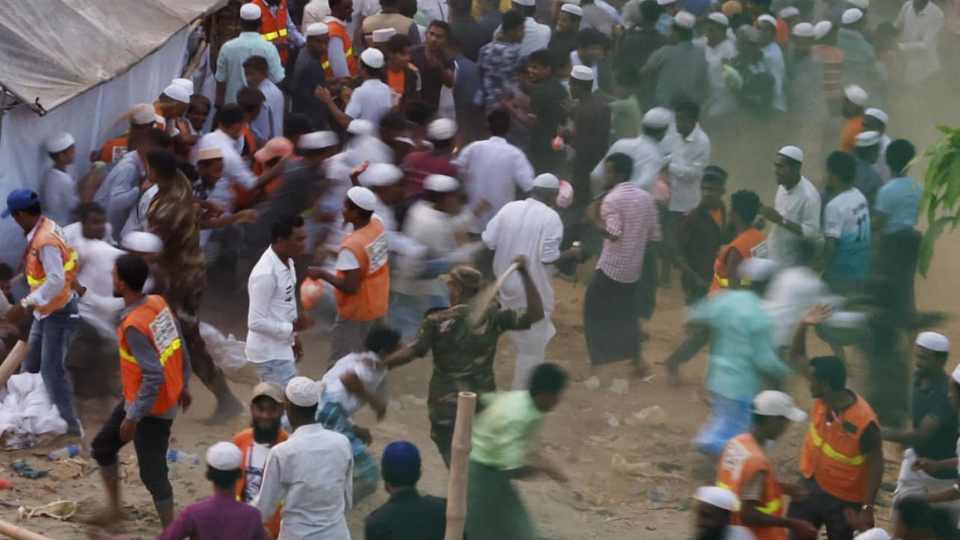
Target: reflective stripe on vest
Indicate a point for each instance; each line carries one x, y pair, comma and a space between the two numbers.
348, 54
725, 283
68, 266
770, 508
829, 451
270, 36
164, 356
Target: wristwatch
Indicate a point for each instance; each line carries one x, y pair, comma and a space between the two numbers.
867, 507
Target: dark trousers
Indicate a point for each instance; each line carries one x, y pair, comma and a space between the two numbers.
821, 509
150, 441
610, 320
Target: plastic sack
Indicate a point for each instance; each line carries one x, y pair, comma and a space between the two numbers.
229, 354
27, 416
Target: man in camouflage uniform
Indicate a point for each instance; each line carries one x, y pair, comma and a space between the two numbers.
181, 279
463, 355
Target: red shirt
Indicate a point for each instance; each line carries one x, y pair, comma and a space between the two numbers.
417, 166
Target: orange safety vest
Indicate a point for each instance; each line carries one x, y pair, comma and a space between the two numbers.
741, 461
50, 234
153, 319
744, 244
244, 441
114, 149
338, 30
369, 246
273, 28
831, 451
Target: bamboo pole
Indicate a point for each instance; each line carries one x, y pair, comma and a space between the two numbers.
19, 533
12, 362
459, 458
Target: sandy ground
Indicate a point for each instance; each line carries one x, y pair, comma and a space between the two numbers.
630, 477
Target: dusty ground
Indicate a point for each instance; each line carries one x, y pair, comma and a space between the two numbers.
630, 478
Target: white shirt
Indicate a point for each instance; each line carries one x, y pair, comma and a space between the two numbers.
575, 61
254, 473
721, 100
269, 123
96, 259
58, 195
311, 473
647, 162
800, 205
792, 293
137, 219
370, 101
368, 367
528, 228
688, 157
845, 215
492, 171
536, 36
919, 33
881, 165
273, 309
434, 10
436, 231
235, 169
773, 59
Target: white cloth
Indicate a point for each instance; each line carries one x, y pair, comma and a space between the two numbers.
800, 205
845, 215
370, 101
436, 231
256, 462
137, 219
492, 171
311, 473
721, 100
791, 293
736, 532
912, 483
647, 162
534, 230
235, 169
27, 414
881, 165
531, 346
96, 260
433, 10
919, 33
773, 59
272, 289
368, 367
346, 260
269, 123
688, 157
318, 10
536, 36
58, 195
575, 61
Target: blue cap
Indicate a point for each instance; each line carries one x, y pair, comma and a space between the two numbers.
20, 199
401, 464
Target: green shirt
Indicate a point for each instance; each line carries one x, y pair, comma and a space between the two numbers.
504, 431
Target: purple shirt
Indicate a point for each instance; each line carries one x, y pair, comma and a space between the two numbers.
217, 517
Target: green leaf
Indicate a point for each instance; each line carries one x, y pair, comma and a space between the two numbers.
934, 231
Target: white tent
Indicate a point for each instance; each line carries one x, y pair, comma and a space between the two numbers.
77, 66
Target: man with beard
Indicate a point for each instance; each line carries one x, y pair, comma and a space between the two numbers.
715, 508
255, 442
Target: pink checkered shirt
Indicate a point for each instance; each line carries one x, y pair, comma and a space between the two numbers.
630, 213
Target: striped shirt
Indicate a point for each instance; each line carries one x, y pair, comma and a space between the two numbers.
629, 213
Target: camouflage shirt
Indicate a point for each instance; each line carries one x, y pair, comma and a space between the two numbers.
462, 357
182, 275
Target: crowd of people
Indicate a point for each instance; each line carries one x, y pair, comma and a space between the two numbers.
386, 163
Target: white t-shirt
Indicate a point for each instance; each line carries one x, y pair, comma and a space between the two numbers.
800, 205
369, 369
370, 101
847, 220
255, 466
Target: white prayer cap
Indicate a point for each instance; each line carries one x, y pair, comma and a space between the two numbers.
956, 374
719, 18
59, 142
767, 18
361, 127
250, 12
303, 391
720, 497
581, 73
441, 129
372, 58
177, 93
774, 403
441, 183
224, 456
525, 3
878, 114
789, 11
142, 113
860, 4
821, 29
380, 174
851, 16
856, 95
657, 118
867, 139
383, 35
804, 30
757, 269
873, 534
187, 84
318, 140
362, 197
317, 29
572, 9
546, 181
933, 341
142, 242
792, 152
665, 2
210, 152
685, 19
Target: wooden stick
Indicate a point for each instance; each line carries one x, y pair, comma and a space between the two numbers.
483, 299
12, 362
19, 533
459, 458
